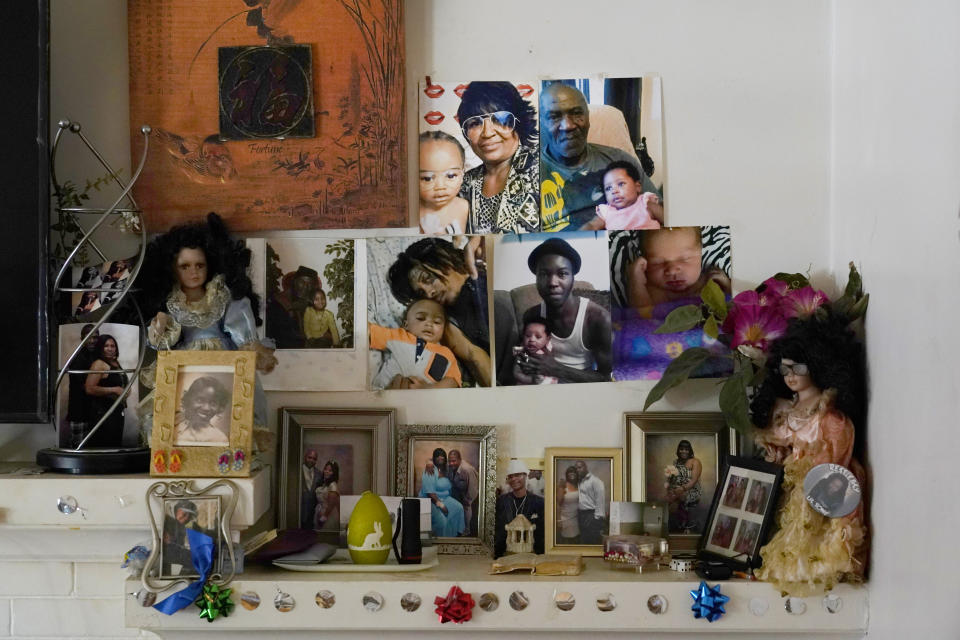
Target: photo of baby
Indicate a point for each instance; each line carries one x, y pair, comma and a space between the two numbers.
442, 210
427, 313
627, 206
413, 357
652, 273
535, 341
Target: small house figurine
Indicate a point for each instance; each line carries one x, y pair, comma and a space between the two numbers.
520, 535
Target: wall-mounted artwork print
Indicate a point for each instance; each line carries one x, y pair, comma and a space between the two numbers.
266, 92
427, 315
309, 289
108, 353
310, 293
653, 272
601, 158
245, 122
468, 130
552, 303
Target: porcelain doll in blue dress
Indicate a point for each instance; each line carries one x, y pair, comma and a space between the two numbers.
196, 285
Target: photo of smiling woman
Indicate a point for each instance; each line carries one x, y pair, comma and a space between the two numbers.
202, 417
492, 127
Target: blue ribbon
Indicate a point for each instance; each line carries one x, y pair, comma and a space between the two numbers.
708, 602
201, 554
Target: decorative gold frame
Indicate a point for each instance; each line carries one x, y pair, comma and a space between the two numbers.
226, 494
639, 425
203, 461
294, 422
407, 436
550, 455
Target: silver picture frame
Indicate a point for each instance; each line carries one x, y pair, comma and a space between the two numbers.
411, 441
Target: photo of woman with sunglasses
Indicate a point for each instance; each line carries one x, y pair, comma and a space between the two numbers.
501, 128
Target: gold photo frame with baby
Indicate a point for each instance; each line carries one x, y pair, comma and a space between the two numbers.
203, 414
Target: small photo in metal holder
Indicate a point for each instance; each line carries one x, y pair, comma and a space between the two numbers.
741, 513
203, 414
175, 508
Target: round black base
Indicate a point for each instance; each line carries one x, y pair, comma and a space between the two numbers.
95, 461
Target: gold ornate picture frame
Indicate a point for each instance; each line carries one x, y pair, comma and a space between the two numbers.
566, 530
477, 446
203, 414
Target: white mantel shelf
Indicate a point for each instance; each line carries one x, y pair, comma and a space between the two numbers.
630, 591
115, 513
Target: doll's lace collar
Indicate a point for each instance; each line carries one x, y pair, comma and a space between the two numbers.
797, 418
205, 311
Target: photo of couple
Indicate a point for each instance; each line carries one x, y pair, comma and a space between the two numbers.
446, 472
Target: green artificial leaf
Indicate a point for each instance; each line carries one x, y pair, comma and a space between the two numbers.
795, 280
860, 308
710, 328
842, 305
733, 402
676, 372
681, 319
854, 288
712, 296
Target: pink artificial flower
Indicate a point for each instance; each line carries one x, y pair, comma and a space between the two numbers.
800, 303
776, 288
757, 326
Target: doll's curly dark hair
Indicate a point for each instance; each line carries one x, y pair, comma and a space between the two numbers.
835, 359
224, 254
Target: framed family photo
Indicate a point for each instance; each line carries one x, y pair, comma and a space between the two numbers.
676, 458
177, 508
203, 413
581, 482
455, 467
742, 511
328, 453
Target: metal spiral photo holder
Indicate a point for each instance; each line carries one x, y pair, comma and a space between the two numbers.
85, 459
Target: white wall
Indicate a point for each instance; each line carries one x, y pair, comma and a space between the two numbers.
895, 204
820, 131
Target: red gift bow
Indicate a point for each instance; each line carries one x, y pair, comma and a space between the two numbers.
456, 607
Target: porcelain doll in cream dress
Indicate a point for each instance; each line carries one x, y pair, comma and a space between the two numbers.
812, 390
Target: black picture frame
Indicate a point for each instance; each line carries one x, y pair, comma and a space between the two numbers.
740, 518
25, 113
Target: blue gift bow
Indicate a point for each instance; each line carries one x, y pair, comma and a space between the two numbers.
201, 554
708, 602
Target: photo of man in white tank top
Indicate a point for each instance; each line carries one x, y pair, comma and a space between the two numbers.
580, 331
